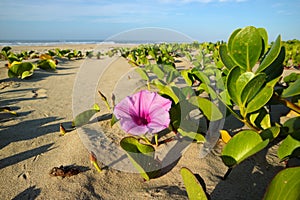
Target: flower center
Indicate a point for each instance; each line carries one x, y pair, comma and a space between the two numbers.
141, 120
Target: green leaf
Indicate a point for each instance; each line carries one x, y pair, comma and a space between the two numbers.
193, 187
84, 117
241, 82
263, 33
241, 146
208, 108
246, 47
187, 76
13, 58
175, 116
157, 71
291, 78
171, 73
21, 70
290, 147
6, 49
260, 118
231, 38
192, 135
231, 81
201, 76
275, 69
285, 185
293, 126
252, 87
262, 97
270, 133
142, 73
225, 57
167, 90
47, 64
113, 120
208, 89
141, 156
271, 55
292, 90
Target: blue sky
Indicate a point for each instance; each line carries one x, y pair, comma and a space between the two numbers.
203, 20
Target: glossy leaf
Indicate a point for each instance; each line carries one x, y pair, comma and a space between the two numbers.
263, 33
289, 147
192, 185
167, 90
208, 108
48, 64
291, 77
20, 70
113, 120
231, 84
209, 90
84, 117
293, 126
292, 90
271, 55
241, 146
276, 68
285, 185
231, 38
246, 47
171, 73
187, 76
201, 76
252, 87
141, 156
157, 71
262, 97
225, 57
192, 135
270, 133
260, 119
142, 73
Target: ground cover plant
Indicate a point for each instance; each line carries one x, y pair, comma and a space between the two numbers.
242, 75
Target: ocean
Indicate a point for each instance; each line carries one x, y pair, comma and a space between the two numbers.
49, 42
66, 42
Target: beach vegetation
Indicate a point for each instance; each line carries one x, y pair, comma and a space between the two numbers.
241, 78
244, 75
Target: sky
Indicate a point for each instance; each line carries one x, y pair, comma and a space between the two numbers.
202, 20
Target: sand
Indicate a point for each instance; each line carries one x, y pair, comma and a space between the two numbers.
30, 146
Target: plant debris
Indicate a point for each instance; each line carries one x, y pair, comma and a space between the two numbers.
66, 171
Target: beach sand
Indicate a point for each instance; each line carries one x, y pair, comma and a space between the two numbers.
30, 146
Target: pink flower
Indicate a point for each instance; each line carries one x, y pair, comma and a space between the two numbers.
143, 112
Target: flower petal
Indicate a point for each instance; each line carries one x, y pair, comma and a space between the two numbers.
142, 102
147, 107
160, 103
161, 119
124, 109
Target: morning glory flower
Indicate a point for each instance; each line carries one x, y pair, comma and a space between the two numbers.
143, 112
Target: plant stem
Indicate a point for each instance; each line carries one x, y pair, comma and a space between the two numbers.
146, 140
287, 103
156, 139
250, 125
241, 119
148, 85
